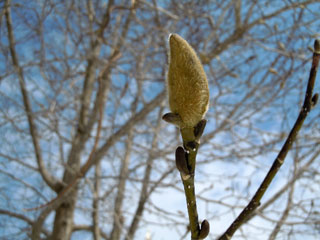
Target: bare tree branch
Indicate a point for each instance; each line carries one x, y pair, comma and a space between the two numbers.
284, 216
309, 102
239, 32
48, 178
144, 190
89, 228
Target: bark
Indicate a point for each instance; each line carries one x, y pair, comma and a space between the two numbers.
63, 222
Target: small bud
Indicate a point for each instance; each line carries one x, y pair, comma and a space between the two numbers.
273, 71
199, 128
173, 118
310, 49
281, 46
181, 161
204, 229
315, 99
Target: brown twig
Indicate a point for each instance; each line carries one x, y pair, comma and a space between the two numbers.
309, 102
189, 190
186, 164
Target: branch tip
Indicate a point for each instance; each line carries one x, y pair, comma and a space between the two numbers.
308, 102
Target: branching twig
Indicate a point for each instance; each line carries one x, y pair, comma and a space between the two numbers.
309, 102
82, 171
144, 194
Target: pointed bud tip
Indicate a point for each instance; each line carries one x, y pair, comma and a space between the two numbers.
172, 35
175, 38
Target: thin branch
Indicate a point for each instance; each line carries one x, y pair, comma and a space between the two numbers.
16, 215
26, 185
146, 181
309, 102
276, 196
81, 173
127, 126
85, 127
237, 14
22, 218
89, 228
97, 155
95, 202
239, 32
50, 180
284, 216
160, 9
55, 203
91, 71
124, 167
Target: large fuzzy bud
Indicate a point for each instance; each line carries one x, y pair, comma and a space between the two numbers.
187, 85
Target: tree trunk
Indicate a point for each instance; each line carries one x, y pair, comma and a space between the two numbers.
63, 222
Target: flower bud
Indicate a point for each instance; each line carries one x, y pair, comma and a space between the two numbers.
187, 83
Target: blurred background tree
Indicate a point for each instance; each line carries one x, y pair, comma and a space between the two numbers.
64, 61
